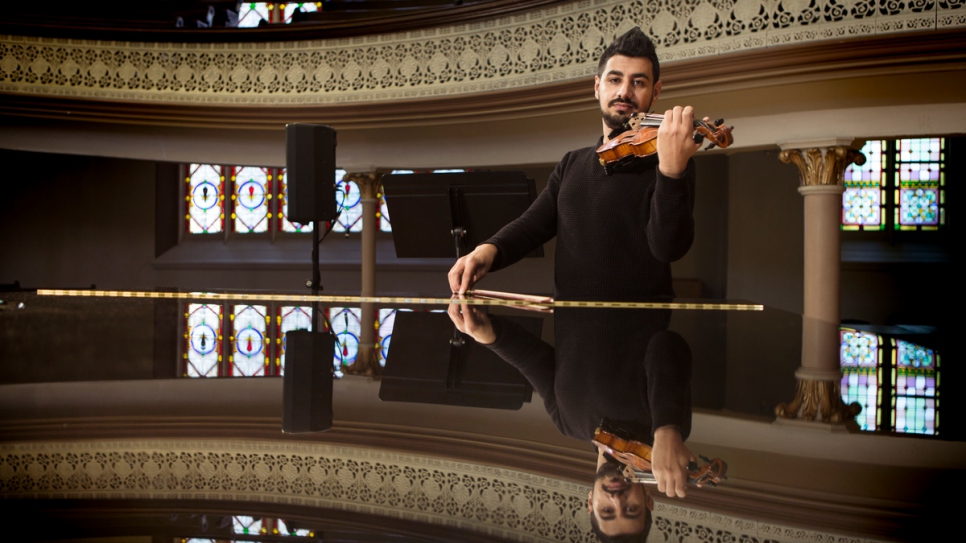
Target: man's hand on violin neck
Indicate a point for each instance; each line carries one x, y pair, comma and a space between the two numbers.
669, 461
675, 141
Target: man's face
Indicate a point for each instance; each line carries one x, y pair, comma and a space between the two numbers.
620, 507
626, 87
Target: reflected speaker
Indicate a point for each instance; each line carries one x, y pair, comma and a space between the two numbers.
310, 165
307, 386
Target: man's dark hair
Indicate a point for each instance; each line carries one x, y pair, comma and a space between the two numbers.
627, 538
635, 44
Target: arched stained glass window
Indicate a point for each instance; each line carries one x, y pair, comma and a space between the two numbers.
250, 198
346, 325
205, 199
202, 349
915, 380
387, 317
348, 198
290, 318
286, 225
920, 183
864, 197
860, 359
250, 340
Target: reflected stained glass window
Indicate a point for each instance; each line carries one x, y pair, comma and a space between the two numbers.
346, 325
251, 194
920, 184
284, 528
202, 340
387, 317
915, 381
249, 340
250, 14
246, 525
348, 198
290, 318
284, 224
382, 216
863, 202
205, 199
860, 358
307, 7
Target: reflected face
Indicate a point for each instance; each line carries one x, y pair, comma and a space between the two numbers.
626, 87
620, 507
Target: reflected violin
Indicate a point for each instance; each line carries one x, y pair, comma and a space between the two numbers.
636, 456
640, 139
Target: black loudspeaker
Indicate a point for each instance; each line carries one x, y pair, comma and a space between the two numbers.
310, 164
307, 387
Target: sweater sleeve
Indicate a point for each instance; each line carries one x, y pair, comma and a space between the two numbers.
667, 364
536, 226
670, 229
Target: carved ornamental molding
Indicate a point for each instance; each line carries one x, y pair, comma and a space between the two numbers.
551, 45
500, 502
822, 167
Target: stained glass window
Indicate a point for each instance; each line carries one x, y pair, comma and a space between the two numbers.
299, 532
250, 340
387, 317
346, 326
915, 381
860, 359
901, 186
250, 197
284, 224
246, 525
290, 318
864, 197
920, 184
205, 199
382, 216
348, 198
202, 352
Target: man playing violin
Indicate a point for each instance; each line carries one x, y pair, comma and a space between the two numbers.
616, 234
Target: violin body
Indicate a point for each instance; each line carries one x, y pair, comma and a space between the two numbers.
640, 140
637, 455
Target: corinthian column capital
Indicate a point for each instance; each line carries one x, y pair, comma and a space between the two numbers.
822, 166
369, 183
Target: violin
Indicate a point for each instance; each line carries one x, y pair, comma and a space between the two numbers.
640, 139
636, 456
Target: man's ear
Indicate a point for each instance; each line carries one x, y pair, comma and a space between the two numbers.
649, 501
657, 92
590, 507
597, 87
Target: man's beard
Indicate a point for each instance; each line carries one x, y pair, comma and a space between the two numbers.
616, 121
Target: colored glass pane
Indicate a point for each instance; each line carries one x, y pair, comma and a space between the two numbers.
252, 191
864, 195
290, 318
249, 340
307, 7
915, 384
298, 532
859, 359
202, 340
205, 199
345, 322
250, 14
348, 198
920, 182
383, 215
246, 525
285, 224
387, 317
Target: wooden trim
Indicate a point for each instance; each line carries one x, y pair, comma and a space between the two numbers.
708, 76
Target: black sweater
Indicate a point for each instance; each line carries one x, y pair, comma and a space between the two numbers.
616, 234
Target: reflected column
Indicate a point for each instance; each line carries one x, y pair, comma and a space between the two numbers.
367, 361
818, 396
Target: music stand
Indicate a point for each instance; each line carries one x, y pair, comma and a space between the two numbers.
435, 213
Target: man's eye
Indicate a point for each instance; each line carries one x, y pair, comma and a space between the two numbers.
615, 80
